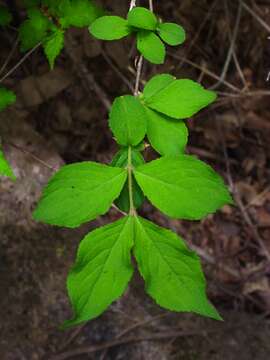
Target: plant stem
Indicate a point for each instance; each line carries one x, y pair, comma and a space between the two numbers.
132, 210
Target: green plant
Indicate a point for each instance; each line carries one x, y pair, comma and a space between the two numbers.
179, 185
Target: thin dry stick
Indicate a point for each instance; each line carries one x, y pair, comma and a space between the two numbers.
231, 49
133, 339
26, 56
5, 64
256, 16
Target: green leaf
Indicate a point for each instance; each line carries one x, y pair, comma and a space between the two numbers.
151, 47
33, 30
142, 18
5, 16
172, 34
166, 135
182, 187
5, 169
79, 13
79, 193
102, 270
110, 28
156, 84
53, 46
7, 98
181, 99
127, 120
172, 273
121, 160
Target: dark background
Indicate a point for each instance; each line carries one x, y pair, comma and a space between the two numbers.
61, 117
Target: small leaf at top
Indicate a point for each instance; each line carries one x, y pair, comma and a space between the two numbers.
127, 120
102, 270
166, 135
172, 34
5, 16
142, 18
79, 13
182, 187
110, 28
172, 273
80, 192
151, 47
7, 98
156, 84
5, 168
53, 46
181, 99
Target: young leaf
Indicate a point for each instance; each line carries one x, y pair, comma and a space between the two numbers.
79, 13
181, 99
166, 135
53, 46
172, 272
151, 47
110, 28
33, 30
79, 193
156, 84
5, 169
5, 16
142, 18
7, 98
182, 187
128, 120
121, 160
102, 270
172, 34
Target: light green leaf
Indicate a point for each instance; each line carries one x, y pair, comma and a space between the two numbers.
156, 84
5, 169
102, 270
181, 99
110, 28
127, 120
7, 98
172, 273
33, 30
166, 135
121, 160
5, 16
151, 47
79, 13
172, 34
53, 46
142, 18
182, 187
79, 193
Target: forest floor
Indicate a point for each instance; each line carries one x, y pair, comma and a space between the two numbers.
60, 118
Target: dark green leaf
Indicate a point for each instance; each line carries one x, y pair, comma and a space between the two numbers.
5, 16
5, 168
7, 98
53, 46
